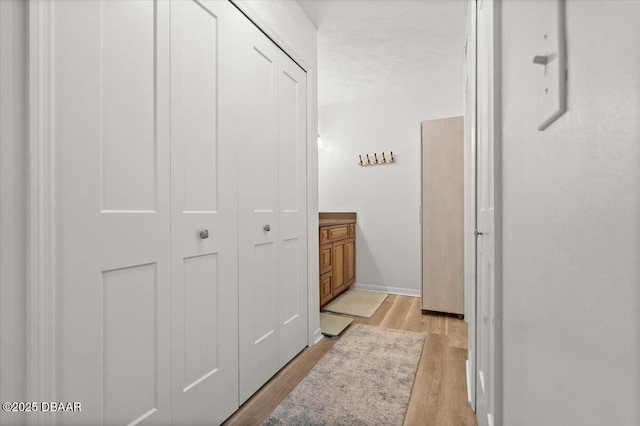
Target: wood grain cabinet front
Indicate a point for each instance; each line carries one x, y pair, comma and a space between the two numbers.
337, 260
325, 288
326, 254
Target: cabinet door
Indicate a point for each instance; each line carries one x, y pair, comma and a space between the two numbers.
350, 261
325, 288
338, 271
326, 252
204, 199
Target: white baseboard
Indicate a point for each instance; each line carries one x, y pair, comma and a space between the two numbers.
317, 336
468, 382
383, 289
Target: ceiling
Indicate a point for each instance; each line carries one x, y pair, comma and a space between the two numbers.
371, 48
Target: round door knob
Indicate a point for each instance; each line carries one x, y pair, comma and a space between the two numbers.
267, 228
204, 234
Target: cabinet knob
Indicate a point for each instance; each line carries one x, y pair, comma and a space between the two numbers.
204, 234
267, 228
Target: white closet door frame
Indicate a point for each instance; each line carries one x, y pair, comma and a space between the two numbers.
40, 309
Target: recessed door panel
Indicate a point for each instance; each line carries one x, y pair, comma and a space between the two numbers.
265, 292
201, 323
290, 281
127, 100
129, 344
289, 140
194, 102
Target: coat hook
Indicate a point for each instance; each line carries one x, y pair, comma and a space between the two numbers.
392, 159
368, 160
376, 156
384, 160
360, 156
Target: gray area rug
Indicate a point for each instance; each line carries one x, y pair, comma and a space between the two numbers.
365, 379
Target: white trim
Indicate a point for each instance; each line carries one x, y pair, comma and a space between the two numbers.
386, 289
317, 335
40, 307
266, 28
466, 367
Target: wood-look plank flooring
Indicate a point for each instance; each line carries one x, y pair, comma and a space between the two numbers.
439, 394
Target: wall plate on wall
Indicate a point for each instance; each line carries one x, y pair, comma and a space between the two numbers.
551, 58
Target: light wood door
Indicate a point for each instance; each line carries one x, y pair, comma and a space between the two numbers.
350, 261
204, 223
338, 279
443, 215
325, 288
325, 258
485, 205
111, 123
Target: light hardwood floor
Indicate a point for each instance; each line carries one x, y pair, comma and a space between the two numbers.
439, 395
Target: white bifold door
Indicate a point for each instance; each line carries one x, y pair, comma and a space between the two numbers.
204, 211
180, 206
272, 182
111, 115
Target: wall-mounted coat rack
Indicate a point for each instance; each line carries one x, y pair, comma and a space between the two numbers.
375, 159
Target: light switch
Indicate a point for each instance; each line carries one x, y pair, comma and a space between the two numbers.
551, 61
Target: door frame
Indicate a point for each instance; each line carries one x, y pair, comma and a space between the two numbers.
41, 219
494, 103
470, 220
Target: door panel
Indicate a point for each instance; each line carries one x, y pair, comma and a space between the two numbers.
112, 211
292, 207
204, 187
350, 261
258, 215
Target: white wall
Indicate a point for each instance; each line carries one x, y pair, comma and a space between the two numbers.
287, 25
572, 223
13, 233
385, 197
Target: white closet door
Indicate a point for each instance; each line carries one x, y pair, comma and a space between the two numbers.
272, 228
259, 225
204, 250
292, 207
111, 121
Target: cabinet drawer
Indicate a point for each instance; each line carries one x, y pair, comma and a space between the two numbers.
324, 235
352, 230
339, 232
325, 258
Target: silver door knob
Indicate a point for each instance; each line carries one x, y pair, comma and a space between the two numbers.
267, 228
478, 233
204, 234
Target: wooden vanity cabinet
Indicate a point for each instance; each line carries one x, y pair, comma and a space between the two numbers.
337, 259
